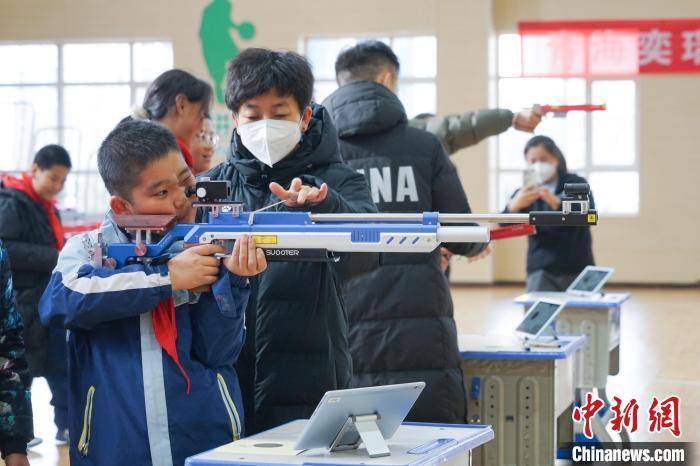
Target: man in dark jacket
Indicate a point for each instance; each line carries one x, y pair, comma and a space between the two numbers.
401, 323
284, 151
31, 230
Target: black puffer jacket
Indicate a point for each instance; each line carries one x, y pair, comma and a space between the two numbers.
296, 344
27, 236
401, 324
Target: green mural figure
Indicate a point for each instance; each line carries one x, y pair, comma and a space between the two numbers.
218, 46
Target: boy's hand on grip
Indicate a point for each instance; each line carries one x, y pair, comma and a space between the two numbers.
246, 260
195, 267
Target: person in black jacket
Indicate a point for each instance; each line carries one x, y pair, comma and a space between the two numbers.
31, 230
16, 415
555, 256
401, 318
285, 151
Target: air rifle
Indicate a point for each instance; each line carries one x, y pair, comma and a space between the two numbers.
306, 236
562, 110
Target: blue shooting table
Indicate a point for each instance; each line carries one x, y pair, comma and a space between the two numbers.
412, 444
521, 392
596, 317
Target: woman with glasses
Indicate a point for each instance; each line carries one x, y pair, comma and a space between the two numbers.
203, 147
180, 102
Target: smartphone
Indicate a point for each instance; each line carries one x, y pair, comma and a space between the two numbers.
531, 177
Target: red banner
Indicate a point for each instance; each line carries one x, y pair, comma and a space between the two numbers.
610, 48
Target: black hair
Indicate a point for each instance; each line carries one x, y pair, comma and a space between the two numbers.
365, 61
550, 146
256, 71
52, 155
161, 93
424, 116
128, 149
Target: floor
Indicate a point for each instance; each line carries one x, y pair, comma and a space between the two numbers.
659, 355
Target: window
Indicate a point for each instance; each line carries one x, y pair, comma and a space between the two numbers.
417, 55
72, 94
600, 146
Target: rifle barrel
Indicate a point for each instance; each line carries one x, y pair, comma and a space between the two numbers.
406, 217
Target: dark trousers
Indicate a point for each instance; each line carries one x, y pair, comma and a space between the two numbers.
541, 280
56, 375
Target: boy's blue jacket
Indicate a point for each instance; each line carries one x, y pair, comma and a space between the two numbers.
127, 402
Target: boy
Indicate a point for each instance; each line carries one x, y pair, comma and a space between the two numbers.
15, 402
401, 325
285, 150
150, 358
31, 230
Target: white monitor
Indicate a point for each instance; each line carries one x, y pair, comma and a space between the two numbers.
538, 318
386, 406
590, 281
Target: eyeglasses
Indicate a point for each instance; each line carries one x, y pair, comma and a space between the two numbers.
208, 138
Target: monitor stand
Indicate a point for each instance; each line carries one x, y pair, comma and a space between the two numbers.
539, 341
368, 430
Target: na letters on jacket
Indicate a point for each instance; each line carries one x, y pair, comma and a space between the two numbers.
391, 184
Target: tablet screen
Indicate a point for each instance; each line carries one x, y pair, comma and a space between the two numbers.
537, 317
590, 280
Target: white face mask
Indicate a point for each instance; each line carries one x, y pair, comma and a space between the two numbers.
542, 171
270, 140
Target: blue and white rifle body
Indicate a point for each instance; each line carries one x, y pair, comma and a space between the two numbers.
305, 236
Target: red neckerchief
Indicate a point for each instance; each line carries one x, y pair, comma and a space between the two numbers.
24, 184
185, 153
163, 316
165, 329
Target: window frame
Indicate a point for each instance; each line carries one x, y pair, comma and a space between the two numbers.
303, 47
589, 166
60, 85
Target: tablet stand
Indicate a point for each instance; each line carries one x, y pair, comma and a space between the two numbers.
529, 343
368, 431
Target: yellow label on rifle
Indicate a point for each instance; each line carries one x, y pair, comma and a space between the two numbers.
592, 218
265, 239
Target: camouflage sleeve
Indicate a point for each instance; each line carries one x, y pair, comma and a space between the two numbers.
456, 132
15, 402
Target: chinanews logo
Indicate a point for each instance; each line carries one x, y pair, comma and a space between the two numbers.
662, 415
595, 419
